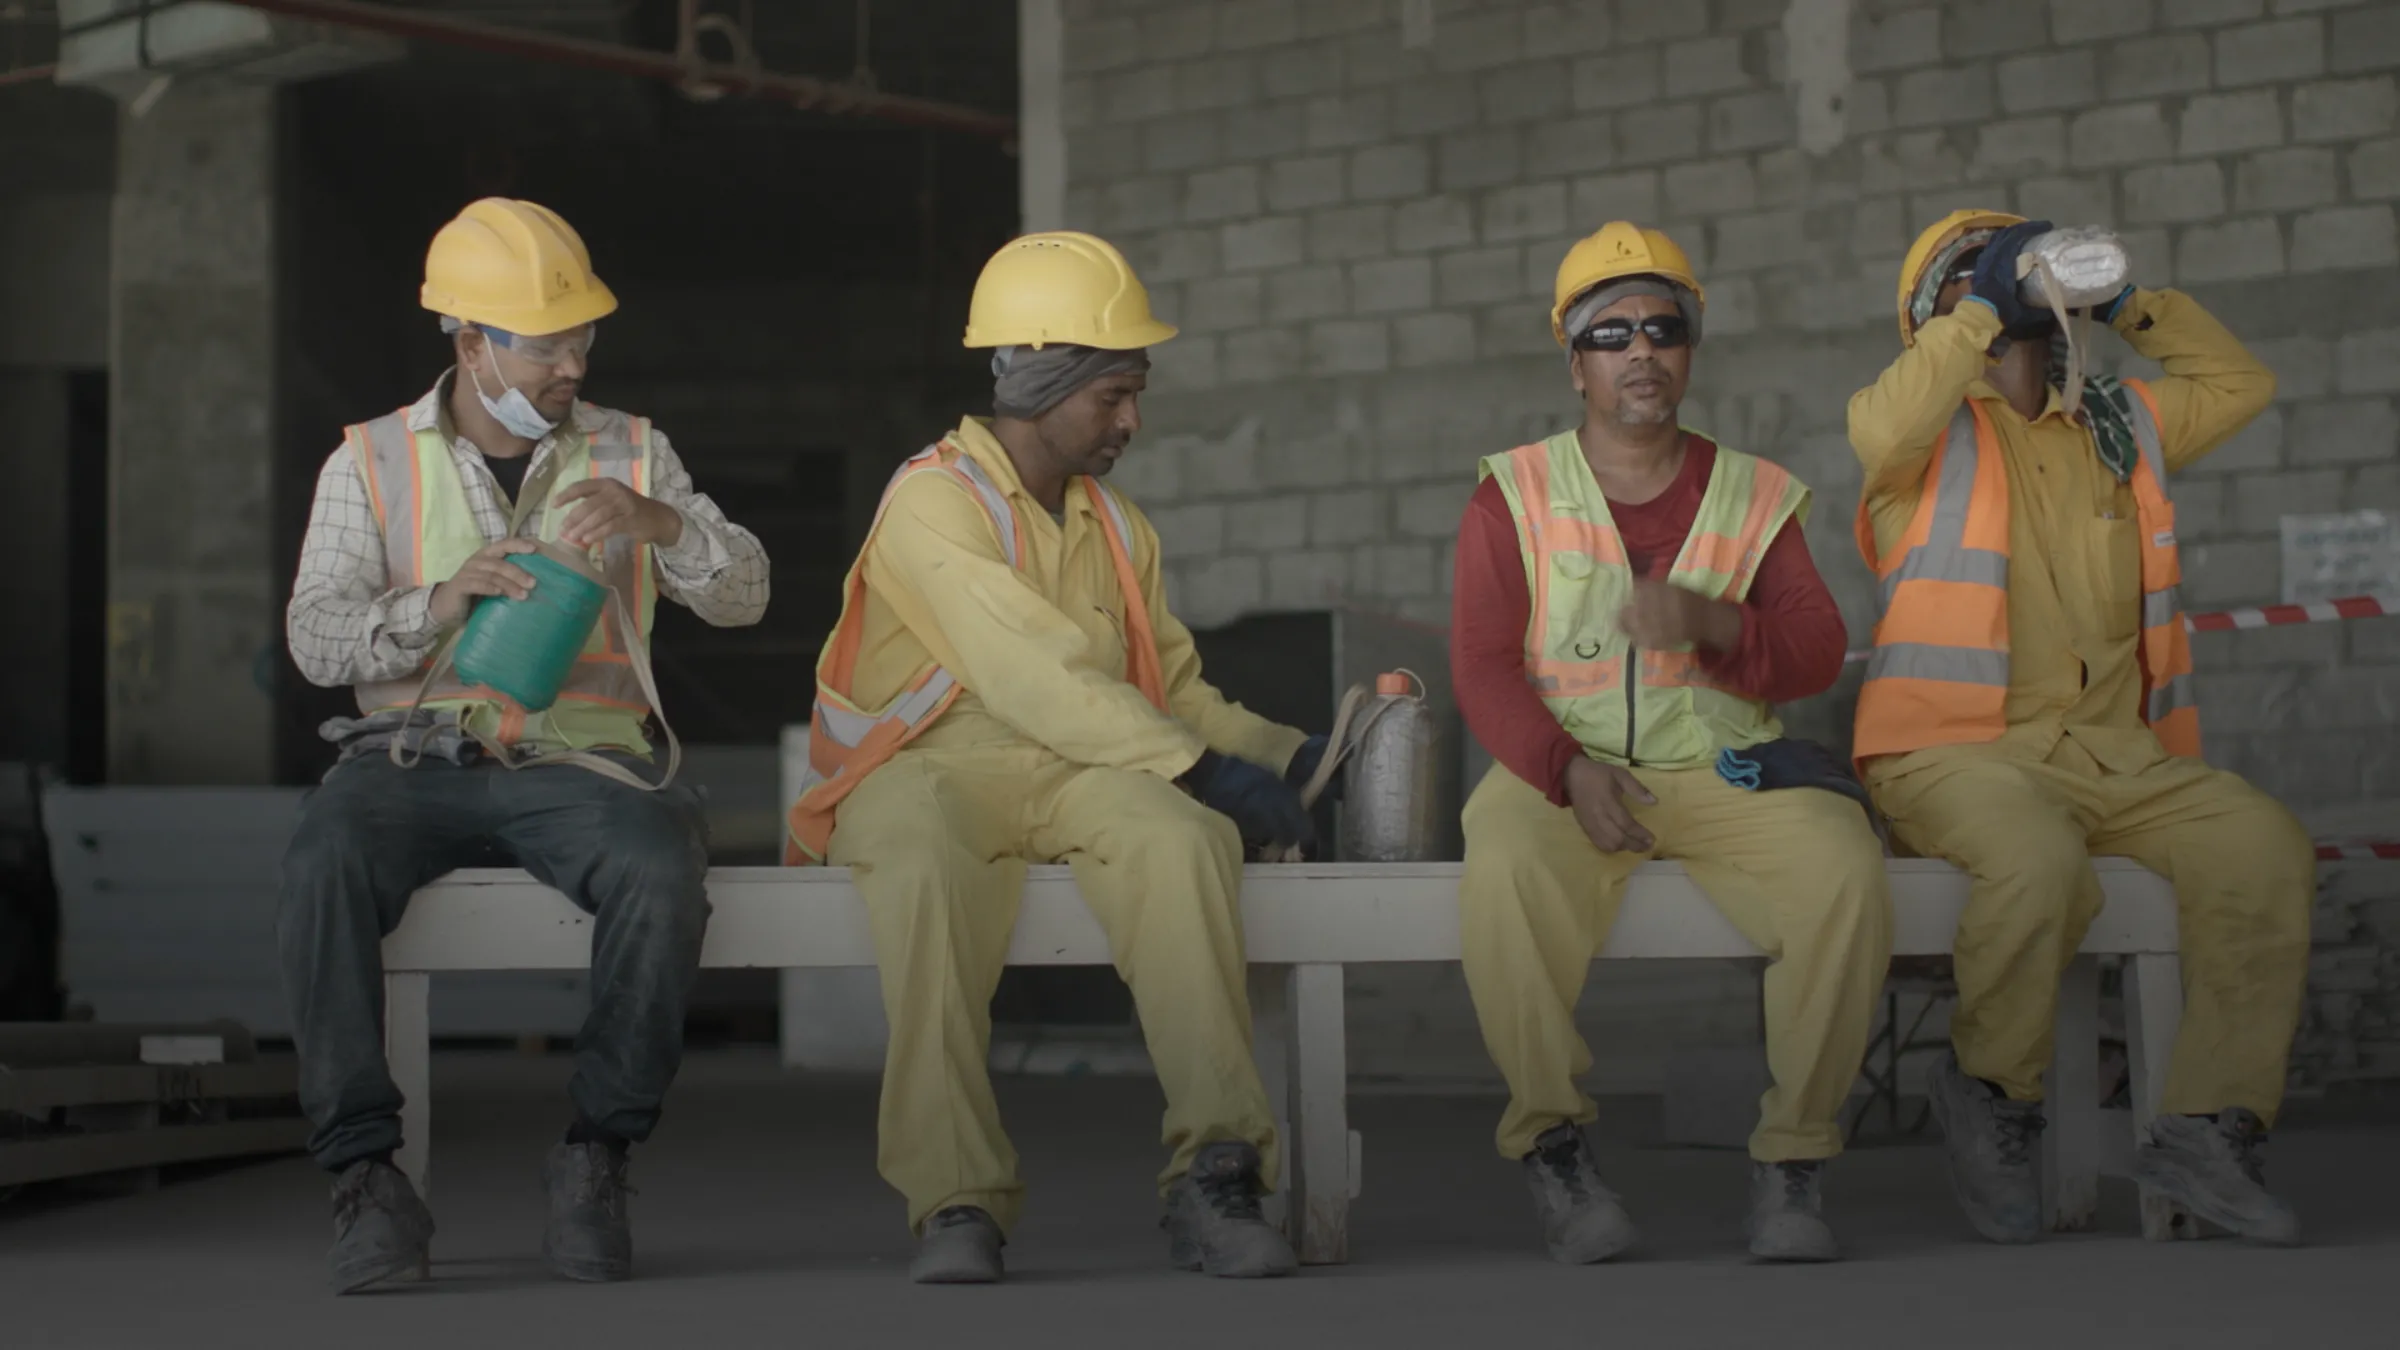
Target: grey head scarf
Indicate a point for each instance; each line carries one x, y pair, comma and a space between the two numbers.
1028, 381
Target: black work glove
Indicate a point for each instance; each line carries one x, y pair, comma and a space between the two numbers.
1304, 767
1265, 809
1995, 281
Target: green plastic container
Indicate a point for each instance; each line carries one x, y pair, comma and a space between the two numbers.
525, 648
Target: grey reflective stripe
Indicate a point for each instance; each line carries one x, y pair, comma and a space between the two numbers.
2174, 695
2159, 608
1944, 555
2145, 435
394, 447
1978, 565
849, 729
1004, 516
1956, 490
612, 441
844, 727
1115, 509
1954, 665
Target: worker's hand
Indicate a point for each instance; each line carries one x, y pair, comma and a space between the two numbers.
609, 509
488, 572
1665, 617
1304, 767
1261, 804
1597, 793
1996, 280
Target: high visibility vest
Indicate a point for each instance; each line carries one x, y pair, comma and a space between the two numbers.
1673, 716
429, 530
1940, 671
847, 742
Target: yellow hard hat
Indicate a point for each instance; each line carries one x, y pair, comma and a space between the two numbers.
1619, 249
1938, 236
514, 266
1061, 287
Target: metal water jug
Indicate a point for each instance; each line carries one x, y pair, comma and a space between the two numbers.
1389, 795
2088, 261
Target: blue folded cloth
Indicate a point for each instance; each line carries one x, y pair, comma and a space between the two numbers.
1790, 763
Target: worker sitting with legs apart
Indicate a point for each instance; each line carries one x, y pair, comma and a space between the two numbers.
1631, 598
420, 516
2029, 705
1007, 687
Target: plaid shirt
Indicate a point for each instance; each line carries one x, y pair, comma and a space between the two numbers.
347, 625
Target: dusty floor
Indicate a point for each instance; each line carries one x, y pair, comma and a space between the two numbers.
760, 1222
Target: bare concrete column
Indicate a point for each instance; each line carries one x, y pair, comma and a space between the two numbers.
193, 603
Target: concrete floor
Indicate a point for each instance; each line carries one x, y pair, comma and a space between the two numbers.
760, 1222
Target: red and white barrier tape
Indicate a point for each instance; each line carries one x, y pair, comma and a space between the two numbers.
2357, 850
2265, 616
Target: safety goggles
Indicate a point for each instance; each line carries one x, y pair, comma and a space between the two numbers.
1963, 268
1616, 335
550, 349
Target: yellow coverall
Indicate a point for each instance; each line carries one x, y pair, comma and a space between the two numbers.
1798, 870
1047, 755
2077, 772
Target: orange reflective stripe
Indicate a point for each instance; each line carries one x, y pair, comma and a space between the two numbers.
1574, 679
1711, 553
1574, 534
1143, 669
2168, 701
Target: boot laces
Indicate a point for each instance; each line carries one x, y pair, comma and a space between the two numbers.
1566, 1162
1231, 1194
2248, 1144
600, 1181
1799, 1180
2017, 1131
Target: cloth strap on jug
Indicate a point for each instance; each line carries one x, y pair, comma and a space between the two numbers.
637, 650
1349, 732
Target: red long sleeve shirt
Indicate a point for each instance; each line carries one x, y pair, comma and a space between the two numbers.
1792, 632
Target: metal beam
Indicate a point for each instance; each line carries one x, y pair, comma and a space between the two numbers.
800, 91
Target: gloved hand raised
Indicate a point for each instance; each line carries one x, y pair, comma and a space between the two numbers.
1995, 281
1265, 809
1304, 767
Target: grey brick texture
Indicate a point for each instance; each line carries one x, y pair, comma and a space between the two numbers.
1359, 241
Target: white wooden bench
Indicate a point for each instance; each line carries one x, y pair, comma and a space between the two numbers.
1304, 923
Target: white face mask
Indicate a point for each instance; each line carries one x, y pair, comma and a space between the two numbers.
512, 409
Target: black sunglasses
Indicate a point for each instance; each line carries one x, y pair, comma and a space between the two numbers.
1615, 335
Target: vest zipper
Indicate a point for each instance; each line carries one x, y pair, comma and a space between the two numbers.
1633, 671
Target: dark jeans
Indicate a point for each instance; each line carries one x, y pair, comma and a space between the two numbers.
374, 832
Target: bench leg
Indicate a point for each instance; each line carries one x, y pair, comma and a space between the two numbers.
1319, 1164
408, 1051
1270, 1040
2071, 1144
2153, 1016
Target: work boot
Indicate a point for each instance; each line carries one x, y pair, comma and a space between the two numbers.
1787, 1213
1582, 1220
1214, 1222
589, 1237
959, 1245
1991, 1143
2217, 1169
381, 1230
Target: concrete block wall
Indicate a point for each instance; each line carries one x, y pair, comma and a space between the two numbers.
1358, 237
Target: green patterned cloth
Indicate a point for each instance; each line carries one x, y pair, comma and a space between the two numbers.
2107, 410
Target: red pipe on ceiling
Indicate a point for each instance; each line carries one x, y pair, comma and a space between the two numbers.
801, 91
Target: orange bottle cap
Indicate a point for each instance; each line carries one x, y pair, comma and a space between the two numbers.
1393, 682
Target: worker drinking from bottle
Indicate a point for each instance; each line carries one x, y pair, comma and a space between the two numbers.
417, 518
2029, 705
1006, 686
1631, 599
